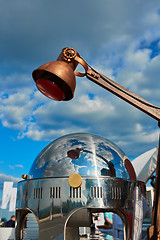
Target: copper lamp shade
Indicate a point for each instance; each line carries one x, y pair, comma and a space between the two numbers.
55, 80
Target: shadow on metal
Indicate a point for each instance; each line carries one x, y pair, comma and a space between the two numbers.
61, 203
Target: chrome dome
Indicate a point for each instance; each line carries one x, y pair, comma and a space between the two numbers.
86, 154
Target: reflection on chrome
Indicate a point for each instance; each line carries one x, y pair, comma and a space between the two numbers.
61, 209
75, 153
53, 160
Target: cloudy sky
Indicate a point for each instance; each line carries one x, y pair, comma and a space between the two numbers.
120, 38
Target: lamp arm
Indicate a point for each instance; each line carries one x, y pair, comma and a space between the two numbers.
109, 163
98, 155
123, 93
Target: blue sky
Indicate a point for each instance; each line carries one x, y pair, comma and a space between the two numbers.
121, 39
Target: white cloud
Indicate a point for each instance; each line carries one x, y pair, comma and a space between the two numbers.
112, 43
15, 110
16, 166
4, 177
142, 79
14, 82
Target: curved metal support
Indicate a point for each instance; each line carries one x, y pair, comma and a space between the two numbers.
71, 55
20, 221
124, 94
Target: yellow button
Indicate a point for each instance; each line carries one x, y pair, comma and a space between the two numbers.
75, 180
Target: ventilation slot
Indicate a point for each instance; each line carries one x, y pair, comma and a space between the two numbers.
96, 192
55, 192
37, 193
116, 193
75, 192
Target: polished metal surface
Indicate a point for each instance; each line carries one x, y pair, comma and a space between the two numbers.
55, 203
53, 160
61, 209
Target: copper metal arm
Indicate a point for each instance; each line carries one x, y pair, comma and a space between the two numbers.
118, 90
56, 80
124, 94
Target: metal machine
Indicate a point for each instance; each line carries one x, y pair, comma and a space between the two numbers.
74, 177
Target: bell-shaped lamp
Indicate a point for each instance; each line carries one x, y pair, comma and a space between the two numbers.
56, 79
